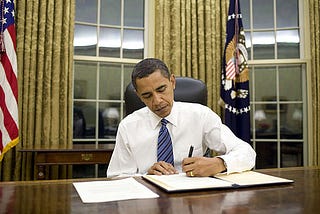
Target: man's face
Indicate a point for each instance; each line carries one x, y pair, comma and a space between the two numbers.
156, 92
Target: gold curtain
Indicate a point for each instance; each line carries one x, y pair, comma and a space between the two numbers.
44, 31
314, 13
190, 37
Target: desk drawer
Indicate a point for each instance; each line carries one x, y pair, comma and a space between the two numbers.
73, 157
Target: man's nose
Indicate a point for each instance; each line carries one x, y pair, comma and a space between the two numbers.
156, 98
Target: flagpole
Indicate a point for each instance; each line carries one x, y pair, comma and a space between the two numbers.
2, 49
236, 31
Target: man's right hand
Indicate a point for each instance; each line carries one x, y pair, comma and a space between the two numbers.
162, 168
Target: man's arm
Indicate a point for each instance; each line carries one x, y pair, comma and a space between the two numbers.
236, 155
122, 162
239, 155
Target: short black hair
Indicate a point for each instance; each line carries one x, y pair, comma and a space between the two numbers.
146, 67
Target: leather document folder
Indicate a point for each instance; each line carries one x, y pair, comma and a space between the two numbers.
181, 182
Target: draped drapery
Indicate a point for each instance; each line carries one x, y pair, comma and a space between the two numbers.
190, 37
314, 14
45, 56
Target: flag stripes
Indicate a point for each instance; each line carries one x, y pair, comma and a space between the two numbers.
230, 70
9, 128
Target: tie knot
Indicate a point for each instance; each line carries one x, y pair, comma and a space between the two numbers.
164, 122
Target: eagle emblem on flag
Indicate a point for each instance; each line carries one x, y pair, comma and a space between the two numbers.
236, 67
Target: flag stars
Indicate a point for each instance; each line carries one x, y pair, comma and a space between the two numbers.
234, 110
8, 13
247, 109
4, 21
233, 16
6, 10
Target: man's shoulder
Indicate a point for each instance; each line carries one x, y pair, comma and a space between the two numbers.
190, 106
137, 115
194, 110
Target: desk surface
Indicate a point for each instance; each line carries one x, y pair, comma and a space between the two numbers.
303, 196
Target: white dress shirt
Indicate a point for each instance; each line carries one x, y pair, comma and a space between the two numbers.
189, 124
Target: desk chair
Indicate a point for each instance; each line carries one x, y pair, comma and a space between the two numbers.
187, 90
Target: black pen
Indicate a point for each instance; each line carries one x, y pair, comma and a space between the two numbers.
190, 151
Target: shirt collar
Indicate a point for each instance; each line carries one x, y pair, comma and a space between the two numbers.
172, 117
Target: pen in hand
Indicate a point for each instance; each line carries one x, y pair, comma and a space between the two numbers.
190, 151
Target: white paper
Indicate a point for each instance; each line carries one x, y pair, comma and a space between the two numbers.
249, 178
113, 190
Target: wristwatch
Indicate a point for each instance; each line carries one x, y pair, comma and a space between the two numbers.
224, 163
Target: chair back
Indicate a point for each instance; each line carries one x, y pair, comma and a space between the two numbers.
187, 90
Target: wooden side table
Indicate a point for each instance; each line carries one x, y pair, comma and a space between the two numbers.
79, 154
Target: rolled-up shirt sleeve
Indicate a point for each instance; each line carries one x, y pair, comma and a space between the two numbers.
238, 155
121, 163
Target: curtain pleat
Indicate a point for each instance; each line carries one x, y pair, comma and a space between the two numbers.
314, 12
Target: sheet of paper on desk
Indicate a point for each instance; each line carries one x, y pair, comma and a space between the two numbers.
112, 190
251, 178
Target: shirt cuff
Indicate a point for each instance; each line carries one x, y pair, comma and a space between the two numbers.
224, 163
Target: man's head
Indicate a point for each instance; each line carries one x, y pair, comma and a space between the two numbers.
154, 85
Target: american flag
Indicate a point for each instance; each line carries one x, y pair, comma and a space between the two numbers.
9, 129
235, 76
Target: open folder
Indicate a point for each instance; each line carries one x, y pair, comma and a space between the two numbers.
181, 182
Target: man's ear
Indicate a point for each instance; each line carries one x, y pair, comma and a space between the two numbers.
173, 81
135, 91
138, 95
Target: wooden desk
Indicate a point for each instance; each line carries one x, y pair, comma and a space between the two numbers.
303, 196
79, 154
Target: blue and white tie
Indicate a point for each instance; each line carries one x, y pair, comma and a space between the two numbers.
165, 151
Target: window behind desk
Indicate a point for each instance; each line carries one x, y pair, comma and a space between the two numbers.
109, 38
278, 69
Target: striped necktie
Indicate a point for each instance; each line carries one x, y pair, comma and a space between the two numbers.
164, 152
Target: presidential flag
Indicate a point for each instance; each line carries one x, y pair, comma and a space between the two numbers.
9, 131
234, 90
